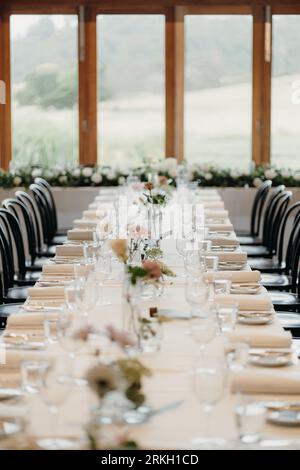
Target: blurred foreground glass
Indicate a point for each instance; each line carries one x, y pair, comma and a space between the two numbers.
227, 316
250, 419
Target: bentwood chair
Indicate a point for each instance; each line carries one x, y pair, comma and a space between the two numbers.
252, 237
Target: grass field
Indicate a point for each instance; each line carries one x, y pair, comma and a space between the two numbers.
217, 129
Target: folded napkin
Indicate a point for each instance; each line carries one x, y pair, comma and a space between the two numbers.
266, 382
216, 241
261, 339
14, 357
239, 256
216, 214
28, 320
90, 214
86, 224
220, 227
70, 250
76, 234
247, 301
46, 292
236, 276
214, 205
58, 269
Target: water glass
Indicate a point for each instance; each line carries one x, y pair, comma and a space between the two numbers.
32, 373
227, 316
196, 294
193, 264
210, 262
50, 331
237, 355
221, 286
203, 329
250, 420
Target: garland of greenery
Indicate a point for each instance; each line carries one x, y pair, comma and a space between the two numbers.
205, 175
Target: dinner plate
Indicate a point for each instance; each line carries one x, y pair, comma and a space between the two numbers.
286, 417
231, 266
271, 359
255, 320
244, 289
219, 233
171, 313
10, 393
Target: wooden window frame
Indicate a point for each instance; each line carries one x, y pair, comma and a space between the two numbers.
174, 12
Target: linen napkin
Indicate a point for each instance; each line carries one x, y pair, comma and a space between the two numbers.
220, 227
214, 205
45, 293
236, 276
58, 269
14, 357
28, 320
86, 224
76, 234
70, 250
267, 382
247, 301
90, 214
216, 214
261, 339
217, 241
239, 256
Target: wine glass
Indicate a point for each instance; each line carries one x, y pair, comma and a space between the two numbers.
102, 272
86, 294
204, 329
196, 294
208, 383
54, 391
193, 264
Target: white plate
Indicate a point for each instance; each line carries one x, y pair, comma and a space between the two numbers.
9, 427
284, 417
271, 360
255, 320
10, 393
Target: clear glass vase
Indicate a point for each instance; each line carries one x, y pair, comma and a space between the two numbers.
131, 311
155, 216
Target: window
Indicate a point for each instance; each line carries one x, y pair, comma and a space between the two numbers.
44, 89
285, 114
131, 80
218, 89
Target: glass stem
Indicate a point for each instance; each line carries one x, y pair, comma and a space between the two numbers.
207, 418
54, 413
101, 293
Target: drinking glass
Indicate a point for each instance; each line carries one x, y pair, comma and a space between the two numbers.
54, 391
203, 329
221, 286
237, 355
150, 334
250, 419
196, 294
50, 330
102, 273
208, 382
70, 295
227, 316
32, 374
210, 262
193, 264
87, 295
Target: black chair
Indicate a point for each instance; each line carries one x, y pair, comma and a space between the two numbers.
263, 249
22, 276
6, 309
29, 201
58, 236
21, 212
10, 294
284, 281
270, 263
252, 237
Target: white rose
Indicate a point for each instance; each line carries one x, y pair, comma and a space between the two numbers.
297, 176
76, 173
105, 170
173, 173
246, 172
205, 167
49, 174
17, 180
235, 173
170, 164
121, 180
208, 176
285, 173
270, 173
87, 172
257, 182
36, 172
62, 179
111, 175
96, 178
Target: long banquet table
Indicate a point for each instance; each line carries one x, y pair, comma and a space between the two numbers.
171, 376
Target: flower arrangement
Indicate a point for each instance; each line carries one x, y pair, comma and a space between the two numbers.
154, 196
204, 174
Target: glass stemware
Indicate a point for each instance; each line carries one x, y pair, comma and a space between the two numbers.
204, 329
196, 294
102, 272
209, 383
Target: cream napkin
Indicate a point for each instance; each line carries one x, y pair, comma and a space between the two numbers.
216, 214
220, 227
236, 276
90, 214
58, 269
230, 256
76, 234
266, 382
214, 205
46, 293
14, 357
224, 241
86, 224
70, 250
28, 320
247, 301
261, 339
